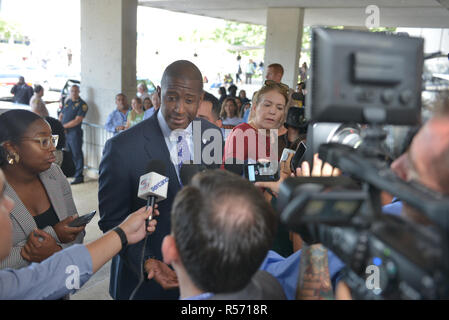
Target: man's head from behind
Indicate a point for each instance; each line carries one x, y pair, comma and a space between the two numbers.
275, 72
210, 109
222, 229
427, 160
181, 93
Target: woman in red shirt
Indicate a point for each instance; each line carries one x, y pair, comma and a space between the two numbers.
257, 139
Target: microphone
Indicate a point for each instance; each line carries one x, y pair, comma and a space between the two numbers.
153, 186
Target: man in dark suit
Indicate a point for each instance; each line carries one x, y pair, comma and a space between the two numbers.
126, 157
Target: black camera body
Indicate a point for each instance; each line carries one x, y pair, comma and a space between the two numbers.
386, 256
344, 214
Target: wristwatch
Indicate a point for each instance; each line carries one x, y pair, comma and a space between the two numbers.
122, 236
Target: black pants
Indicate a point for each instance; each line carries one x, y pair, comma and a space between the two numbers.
248, 78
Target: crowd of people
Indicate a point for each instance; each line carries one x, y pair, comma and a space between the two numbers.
214, 237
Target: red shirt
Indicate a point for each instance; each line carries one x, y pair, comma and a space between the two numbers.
244, 142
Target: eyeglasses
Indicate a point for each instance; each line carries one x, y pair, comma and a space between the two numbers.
46, 142
282, 86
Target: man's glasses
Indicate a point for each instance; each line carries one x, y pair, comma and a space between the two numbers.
46, 142
271, 83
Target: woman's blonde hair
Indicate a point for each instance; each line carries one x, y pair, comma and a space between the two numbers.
268, 86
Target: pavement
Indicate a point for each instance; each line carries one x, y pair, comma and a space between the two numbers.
86, 200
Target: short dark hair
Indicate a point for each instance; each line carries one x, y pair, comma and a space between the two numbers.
232, 89
13, 124
223, 228
216, 108
38, 88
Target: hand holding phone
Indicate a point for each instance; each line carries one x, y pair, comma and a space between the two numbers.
82, 220
260, 172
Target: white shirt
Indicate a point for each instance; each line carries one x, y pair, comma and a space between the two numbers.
171, 138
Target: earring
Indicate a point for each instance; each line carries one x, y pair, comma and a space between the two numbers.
14, 158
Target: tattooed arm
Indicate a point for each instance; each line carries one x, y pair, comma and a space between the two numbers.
314, 281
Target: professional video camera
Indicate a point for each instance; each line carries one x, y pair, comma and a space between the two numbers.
371, 79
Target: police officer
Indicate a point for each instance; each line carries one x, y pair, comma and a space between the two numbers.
72, 116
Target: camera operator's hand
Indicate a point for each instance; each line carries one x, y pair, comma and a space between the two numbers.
318, 170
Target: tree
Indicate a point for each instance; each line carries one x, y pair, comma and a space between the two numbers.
240, 34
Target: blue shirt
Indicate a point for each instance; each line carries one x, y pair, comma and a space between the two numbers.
116, 118
51, 279
246, 115
393, 208
286, 270
148, 113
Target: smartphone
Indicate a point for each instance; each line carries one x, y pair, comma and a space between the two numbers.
82, 220
260, 172
297, 158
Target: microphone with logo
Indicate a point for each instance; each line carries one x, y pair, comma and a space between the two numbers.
153, 186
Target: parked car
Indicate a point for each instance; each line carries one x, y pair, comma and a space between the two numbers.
8, 105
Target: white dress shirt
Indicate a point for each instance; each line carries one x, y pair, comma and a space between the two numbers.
171, 138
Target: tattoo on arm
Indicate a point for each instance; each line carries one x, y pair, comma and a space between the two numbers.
314, 281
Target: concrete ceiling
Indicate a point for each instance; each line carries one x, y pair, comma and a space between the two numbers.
393, 13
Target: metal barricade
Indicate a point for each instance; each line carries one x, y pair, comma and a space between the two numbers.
94, 139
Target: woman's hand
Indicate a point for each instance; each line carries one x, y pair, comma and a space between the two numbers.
65, 233
39, 246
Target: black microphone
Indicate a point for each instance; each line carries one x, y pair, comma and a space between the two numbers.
153, 186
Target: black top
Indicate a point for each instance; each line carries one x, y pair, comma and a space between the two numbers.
48, 218
57, 128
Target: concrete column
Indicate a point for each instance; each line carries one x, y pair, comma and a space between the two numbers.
108, 54
284, 40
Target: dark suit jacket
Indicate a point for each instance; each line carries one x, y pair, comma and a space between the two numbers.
125, 159
263, 286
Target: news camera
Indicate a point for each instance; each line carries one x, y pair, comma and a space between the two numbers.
367, 79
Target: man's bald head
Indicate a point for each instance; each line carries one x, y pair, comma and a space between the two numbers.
181, 93
182, 69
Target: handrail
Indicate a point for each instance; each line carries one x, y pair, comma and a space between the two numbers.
95, 137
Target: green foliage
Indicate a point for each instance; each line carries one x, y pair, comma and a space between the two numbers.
7, 30
240, 34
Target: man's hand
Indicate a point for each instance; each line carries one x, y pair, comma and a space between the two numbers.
39, 246
65, 233
134, 225
162, 273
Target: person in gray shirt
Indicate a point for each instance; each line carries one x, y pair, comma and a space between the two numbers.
67, 270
